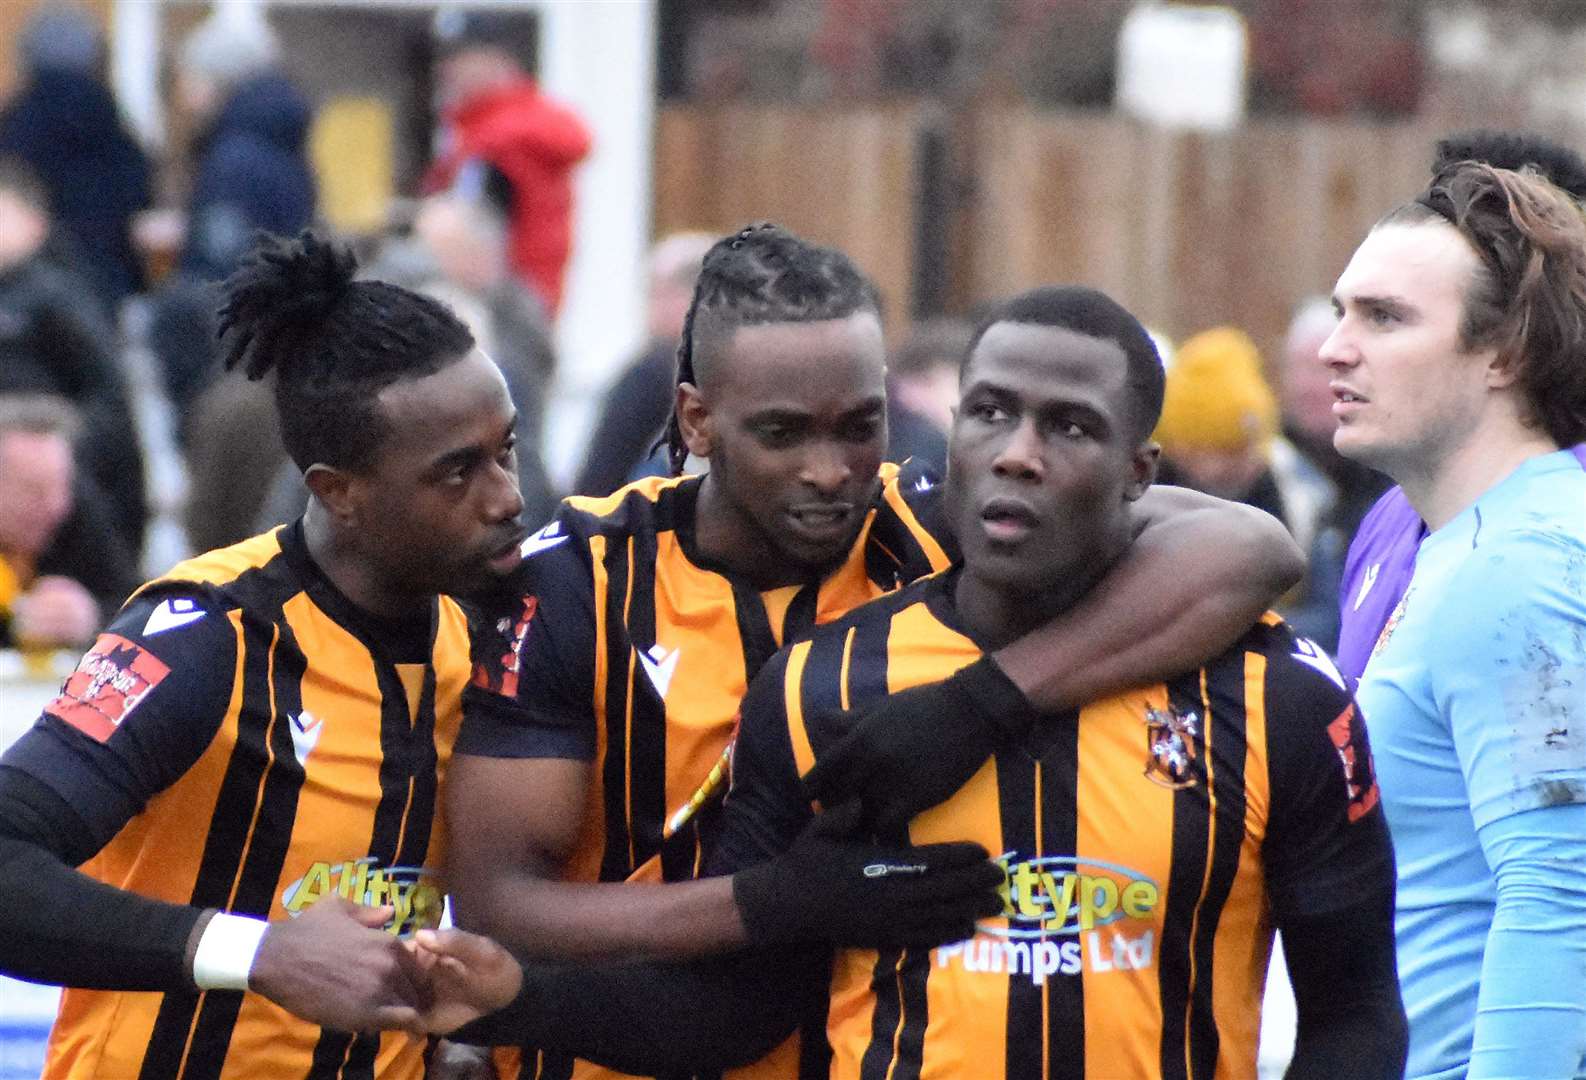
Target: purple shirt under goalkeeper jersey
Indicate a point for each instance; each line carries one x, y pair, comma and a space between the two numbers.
1377, 570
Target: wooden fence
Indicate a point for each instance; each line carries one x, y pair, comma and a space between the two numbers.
1188, 230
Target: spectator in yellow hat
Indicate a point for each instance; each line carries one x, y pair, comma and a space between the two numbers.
1219, 434
1219, 417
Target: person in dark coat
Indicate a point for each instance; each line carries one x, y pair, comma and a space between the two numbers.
634, 412
54, 340
251, 172
64, 124
922, 391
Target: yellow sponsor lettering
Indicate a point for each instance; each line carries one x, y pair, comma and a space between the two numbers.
377, 890
402, 901
361, 874
1005, 891
1024, 883
1060, 897
1139, 898
315, 884
1098, 899
426, 904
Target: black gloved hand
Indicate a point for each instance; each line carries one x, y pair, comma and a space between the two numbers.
911, 750
837, 888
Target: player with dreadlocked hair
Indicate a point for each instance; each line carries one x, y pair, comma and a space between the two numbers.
763, 274
598, 750
245, 765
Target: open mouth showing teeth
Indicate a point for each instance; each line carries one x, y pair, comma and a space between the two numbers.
819, 517
1009, 514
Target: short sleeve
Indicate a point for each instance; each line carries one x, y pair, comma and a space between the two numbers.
532, 692
911, 526
765, 807
142, 705
1509, 672
1326, 846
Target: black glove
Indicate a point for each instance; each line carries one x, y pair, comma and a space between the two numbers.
848, 891
911, 750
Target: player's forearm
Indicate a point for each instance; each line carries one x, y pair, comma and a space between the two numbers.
548, 919
1531, 1011
1349, 1012
1363, 1037
62, 927
659, 1018
1199, 573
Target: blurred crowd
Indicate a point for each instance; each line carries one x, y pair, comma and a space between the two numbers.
110, 380
110, 385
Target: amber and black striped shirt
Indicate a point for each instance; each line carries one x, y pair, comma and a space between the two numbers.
247, 740
633, 651
1152, 841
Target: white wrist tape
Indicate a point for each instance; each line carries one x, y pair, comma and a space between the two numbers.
226, 950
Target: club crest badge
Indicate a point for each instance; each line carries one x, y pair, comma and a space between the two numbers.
1170, 744
1393, 622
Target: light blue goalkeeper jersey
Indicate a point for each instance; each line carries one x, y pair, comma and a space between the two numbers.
1475, 700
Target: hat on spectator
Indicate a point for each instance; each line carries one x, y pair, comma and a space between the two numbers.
63, 38
228, 49
1216, 397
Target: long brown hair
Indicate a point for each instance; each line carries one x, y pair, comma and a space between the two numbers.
1527, 298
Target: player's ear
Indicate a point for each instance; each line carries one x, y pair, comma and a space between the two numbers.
334, 488
694, 420
1144, 462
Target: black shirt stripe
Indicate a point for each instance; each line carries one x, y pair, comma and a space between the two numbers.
1225, 700
1191, 825
1065, 994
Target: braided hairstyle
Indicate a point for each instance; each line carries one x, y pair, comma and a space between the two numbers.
333, 344
761, 274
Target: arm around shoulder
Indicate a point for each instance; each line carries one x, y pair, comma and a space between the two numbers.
1199, 572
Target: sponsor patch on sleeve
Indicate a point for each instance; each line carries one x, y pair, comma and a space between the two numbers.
503, 652
110, 680
1348, 733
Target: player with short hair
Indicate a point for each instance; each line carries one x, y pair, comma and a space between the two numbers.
1153, 839
256, 743
1459, 368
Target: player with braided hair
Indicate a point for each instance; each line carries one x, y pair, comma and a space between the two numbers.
245, 766
595, 748
762, 274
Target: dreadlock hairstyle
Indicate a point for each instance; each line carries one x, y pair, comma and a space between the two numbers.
761, 274
333, 344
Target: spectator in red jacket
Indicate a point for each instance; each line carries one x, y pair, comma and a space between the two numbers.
508, 142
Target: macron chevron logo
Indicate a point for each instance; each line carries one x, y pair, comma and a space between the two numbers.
659, 664
177, 611
1312, 656
547, 538
305, 728
1366, 583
